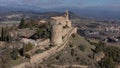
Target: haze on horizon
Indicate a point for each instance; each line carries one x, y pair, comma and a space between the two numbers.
95, 9
61, 3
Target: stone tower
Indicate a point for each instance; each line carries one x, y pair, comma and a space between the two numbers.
56, 34
57, 31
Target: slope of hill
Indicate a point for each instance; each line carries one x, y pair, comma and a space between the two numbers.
77, 52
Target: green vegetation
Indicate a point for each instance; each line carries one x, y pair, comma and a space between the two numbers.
22, 23
107, 63
17, 61
51, 45
5, 59
32, 24
112, 55
71, 45
43, 30
14, 54
38, 51
57, 57
28, 47
73, 35
92, 42
9, 59
4, 35
99, 47
27, 24
77, 58
82, 47
78, 41
42, 33
72, 52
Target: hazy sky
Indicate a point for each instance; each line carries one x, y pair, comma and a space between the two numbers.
63, 3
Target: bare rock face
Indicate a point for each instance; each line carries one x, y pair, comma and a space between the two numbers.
99, 56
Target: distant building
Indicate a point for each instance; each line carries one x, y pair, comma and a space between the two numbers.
113, 29
111, 39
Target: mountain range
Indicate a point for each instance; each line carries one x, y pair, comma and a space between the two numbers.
97, 13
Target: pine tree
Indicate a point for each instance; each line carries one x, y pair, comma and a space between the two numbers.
22, 23
3, 34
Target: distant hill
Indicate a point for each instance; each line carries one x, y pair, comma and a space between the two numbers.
91, 12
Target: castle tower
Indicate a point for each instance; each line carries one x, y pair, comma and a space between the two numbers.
56, 34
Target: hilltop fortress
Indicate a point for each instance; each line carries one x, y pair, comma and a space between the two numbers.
60, 27
61, 31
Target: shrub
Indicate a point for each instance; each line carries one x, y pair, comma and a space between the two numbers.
28, 47
22, 23
21, 51
51, 45
14, 54
38, 51
71, 45
107, 63
82, 47
72, 52
77, 58
99, 47
57, 57
5, 59
73, 35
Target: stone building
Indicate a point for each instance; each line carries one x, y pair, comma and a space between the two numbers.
63, 20
61, 25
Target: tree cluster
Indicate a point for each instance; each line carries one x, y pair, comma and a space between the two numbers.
112, 55
4, 35
28, 24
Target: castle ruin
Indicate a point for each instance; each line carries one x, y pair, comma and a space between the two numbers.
61, 25
61, 31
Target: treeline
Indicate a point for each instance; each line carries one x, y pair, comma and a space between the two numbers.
27, 24
4, 35
30, 24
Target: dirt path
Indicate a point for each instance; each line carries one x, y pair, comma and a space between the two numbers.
67, 66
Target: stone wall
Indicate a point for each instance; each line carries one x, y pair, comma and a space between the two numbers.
36, 43
65, 31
